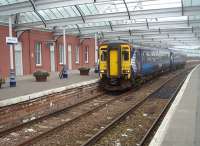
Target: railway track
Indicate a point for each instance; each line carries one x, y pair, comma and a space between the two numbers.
166, 92
30, 132
37, 130
14, 115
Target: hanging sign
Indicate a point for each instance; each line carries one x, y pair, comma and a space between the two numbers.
11, 40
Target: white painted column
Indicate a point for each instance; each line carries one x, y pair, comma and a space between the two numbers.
96, 48
11, 46
64, 45
12, 72
65, 68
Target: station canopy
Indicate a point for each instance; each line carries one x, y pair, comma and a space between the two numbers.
155, 23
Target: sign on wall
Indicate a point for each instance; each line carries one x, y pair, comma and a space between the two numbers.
11, 40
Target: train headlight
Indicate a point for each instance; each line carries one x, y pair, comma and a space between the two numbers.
103, 71
126, 71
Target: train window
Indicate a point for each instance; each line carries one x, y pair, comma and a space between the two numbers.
125, 55
144, 57
104, 56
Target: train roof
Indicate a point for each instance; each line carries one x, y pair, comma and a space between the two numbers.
119, 42
115, 42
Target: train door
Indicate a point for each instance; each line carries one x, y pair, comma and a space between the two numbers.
114, 62
133, 61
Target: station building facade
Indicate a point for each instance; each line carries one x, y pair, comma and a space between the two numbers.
39, 50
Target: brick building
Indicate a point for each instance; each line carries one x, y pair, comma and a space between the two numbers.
41, 50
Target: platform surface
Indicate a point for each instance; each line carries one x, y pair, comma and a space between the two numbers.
181, 125
27, 84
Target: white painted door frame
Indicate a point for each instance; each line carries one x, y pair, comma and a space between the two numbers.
18, 59
52, 57
69, 57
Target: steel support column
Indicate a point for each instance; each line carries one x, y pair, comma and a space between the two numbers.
12, 71
37, 13
79, 30
64, 45
80, 12
129, 16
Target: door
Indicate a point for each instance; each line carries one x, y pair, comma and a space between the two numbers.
52, 56
18, 60
113, 62
69, 57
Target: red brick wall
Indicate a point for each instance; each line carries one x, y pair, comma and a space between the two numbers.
4, 52
28, 40
74, 42
90, 43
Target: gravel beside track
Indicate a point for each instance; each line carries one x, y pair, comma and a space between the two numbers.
79, 131
131, 130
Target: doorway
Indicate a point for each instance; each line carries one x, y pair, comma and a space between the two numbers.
69, 57
52, 58
18, 59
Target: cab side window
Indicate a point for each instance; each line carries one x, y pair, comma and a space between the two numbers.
125, 55
104, 56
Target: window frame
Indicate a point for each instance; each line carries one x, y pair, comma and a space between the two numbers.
86, 54
125, 55
38, 62
77, 55
61, 53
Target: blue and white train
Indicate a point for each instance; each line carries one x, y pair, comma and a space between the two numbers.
121, 65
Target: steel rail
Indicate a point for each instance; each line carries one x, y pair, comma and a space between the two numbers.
61, 126
7, 131
99, 134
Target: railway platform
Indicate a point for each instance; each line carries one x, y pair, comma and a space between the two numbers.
27, 88
181, 125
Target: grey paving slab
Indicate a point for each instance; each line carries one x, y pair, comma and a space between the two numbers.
28, 85
184, 127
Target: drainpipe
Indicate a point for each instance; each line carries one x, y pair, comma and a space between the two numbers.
12, 71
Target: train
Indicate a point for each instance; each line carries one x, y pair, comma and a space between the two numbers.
122, 66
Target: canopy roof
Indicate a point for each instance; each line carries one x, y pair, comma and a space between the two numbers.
158, 23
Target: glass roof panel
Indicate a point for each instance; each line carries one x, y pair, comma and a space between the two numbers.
63, 12
7, 2
43, 14
165, 19
49, 13
155, 4
4, 19
56, 13
35, 17
191, 3
71, 26
85, 9
75, 11
111, 7
92, 8
72, 11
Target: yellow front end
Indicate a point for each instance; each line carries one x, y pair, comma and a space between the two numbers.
114, 64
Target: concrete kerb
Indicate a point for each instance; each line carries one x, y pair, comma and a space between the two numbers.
15, 100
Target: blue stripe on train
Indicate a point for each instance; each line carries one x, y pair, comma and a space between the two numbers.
148, 69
